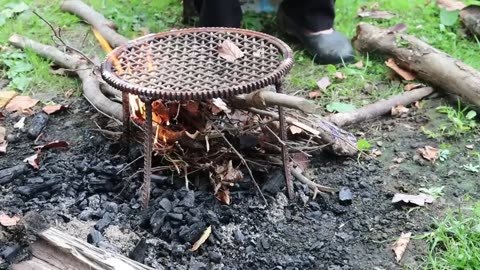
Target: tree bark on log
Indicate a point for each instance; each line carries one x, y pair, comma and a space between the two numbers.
90, 84
429, 64
95, 19
379, 108
56, 250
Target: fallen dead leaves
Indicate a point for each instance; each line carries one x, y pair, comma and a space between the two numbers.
21, 104
419, 200
7, 221
406, 75
49, 109
6, 97
400, 246
229, 51
399, 110
429, 153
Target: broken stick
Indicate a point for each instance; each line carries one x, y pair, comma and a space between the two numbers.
429, 64
379, 108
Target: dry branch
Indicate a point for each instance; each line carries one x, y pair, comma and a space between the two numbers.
95, 19
429, 64
265, 98
90, 84
379, 108
56, 250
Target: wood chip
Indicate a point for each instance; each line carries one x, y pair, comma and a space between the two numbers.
411, 86
229, 51
202, 239
295, 130
323, 83
400, 246
406, 75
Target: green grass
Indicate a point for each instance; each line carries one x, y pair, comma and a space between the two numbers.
455, 241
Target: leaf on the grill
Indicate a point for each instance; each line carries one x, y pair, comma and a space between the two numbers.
229, 51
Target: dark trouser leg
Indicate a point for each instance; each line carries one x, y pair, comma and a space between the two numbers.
313, 15
219, 13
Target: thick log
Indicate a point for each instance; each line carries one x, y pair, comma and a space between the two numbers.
90, 84
429, 64
379, 108
95, 19
56, 250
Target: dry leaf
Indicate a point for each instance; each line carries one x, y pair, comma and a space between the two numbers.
339, 75
397, 28
229, 51
429, 153
202, 238
470, 146
9, 221
376, 14
419, 199
49, 109
6, 97
323, 83
295, 130
50, 145
399, 110
21, 104
3, 147
406, 75
218, 106
411, 86
223, 196
20, 124
450, 5
400, 245
227, 173
69, 93
314, 94
33, 161
301, 160
358, 64
418, 104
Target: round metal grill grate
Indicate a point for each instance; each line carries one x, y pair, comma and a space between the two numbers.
185, 64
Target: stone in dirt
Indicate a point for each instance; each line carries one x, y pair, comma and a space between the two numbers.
94, 237
39, 122
104, 222
345, 196
138, 253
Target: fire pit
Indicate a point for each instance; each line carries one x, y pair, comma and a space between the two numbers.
186, 64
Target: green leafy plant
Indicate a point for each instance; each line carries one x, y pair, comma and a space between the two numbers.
340, 107
17, 69
363, 145
471, 168
10, 10
461, 121
448, 18
455, 241
436, 192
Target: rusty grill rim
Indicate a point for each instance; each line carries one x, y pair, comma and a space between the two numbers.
150, 94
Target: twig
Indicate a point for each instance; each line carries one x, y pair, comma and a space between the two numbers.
244, 163
63, 42
314, 186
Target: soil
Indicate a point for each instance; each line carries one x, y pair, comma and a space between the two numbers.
78, 186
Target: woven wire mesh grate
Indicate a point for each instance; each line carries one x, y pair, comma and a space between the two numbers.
185, 64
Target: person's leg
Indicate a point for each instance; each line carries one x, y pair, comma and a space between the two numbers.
311, 21
313, 15
219, 13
